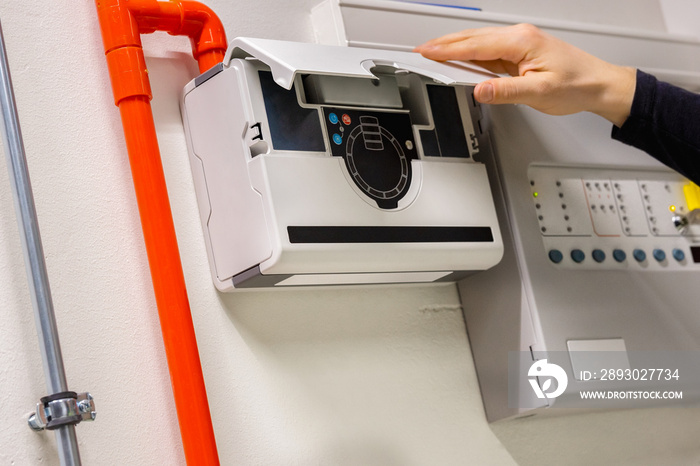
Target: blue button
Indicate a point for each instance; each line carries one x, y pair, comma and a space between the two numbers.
577, 256
619, 255
556, 256
333, 118
679, 255
598, 255
338, 139
659, 255
639, 255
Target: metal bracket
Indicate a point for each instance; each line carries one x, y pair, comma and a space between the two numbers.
60, 409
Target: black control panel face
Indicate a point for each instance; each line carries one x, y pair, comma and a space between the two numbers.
292, 127
447, 139
377, 148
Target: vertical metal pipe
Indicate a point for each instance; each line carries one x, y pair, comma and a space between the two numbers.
34, 256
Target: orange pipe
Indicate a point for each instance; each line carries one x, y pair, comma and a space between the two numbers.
122, 22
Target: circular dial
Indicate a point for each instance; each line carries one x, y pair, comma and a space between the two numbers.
377, 162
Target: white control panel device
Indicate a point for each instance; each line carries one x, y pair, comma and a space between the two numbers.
321, 165
599, 273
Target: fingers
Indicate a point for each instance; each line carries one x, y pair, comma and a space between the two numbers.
498, 66
483, 92
512, 90
547, 74
458, 36
510, 43
480, 48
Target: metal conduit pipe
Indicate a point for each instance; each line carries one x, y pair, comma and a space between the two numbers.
35, 264
121, 23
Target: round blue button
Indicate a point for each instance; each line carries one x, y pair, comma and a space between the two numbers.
639, 255
619, 255
577, 256
659, 255
338, 139
678, 254
598, 255
333, 118
556, 256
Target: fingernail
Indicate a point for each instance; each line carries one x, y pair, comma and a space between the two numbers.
485, 93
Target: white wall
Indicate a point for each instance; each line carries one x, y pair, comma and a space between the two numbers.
345, 377
681, 16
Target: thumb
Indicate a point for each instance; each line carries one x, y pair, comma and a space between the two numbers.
508, 90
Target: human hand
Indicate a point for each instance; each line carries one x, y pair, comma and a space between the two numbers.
546, 73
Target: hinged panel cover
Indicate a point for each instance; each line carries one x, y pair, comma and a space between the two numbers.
285, 59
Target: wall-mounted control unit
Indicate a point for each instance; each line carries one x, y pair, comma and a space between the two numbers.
329, 165
599, 272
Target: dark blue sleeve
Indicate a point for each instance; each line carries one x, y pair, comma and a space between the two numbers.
665, 123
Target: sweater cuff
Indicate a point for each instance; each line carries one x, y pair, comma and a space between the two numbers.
642, 107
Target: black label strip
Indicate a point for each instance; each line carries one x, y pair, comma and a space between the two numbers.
377, 234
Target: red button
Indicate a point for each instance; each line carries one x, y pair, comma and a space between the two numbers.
346, 119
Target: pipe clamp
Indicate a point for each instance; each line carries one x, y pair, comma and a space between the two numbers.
60, 409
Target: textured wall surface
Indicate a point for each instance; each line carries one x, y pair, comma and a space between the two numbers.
378, 376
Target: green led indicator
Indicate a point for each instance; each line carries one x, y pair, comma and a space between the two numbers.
535, 194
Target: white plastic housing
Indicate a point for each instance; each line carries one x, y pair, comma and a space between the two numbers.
267, 212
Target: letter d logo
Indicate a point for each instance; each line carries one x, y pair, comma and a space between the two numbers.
547, 372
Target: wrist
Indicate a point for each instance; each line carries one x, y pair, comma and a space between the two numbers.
617, 94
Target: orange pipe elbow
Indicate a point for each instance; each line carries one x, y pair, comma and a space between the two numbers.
122, 22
